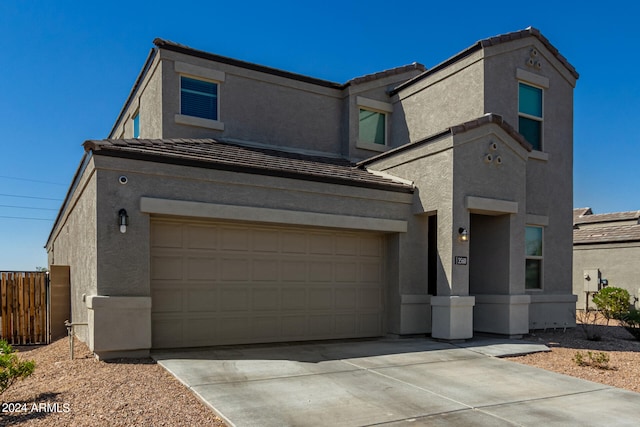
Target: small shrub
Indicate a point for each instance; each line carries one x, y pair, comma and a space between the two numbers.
598, 360
612, 302
11, 367
631, 322
587, 321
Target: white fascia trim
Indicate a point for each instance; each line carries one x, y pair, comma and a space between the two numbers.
539, 155
391, 177
374, 105
483, 204
529, 77
277, 216
196, 71
199, 122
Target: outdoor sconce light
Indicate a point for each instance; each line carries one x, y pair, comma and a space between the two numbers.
464, 234
123, 220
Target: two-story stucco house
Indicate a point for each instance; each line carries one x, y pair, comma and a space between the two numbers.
236, 203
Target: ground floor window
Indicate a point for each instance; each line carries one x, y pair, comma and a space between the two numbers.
533, 255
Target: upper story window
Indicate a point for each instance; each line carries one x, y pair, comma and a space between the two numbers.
373, 124
136, 125
533, 257
198, 98
373, 127
530, 114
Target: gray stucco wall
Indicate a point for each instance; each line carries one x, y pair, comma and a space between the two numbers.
503, 179
429, 166
147, 101
123, 259
617, 262
446, 98
549, 177
74, 243
258, 107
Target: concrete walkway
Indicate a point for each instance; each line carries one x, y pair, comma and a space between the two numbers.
393, 382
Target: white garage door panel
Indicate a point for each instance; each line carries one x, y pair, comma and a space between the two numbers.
221, 283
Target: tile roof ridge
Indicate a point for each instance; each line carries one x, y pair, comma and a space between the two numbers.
487, 42
634, 212
457, 129
385, 73
161, 43
495, 119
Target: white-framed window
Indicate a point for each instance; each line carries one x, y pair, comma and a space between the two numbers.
533, 257
136, 125
530, 114
198, 98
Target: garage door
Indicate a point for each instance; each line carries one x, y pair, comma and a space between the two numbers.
218, 283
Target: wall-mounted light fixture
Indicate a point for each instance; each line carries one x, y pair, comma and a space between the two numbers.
463, 234
123, 220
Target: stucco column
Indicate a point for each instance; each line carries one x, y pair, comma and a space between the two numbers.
452, 317
119, 326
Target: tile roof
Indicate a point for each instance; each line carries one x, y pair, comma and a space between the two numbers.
605, 228
215, 154
386, 73
578, 212
590, 218
606, 234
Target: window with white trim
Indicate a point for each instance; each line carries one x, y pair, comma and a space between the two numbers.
530, 116
533, 257
198, 98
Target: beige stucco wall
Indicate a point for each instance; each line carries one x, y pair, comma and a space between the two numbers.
617, 262
74, 243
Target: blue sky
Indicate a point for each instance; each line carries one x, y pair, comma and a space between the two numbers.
67, 67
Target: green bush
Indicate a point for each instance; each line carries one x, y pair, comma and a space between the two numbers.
598, 360
612, 302
631, 322
11, 367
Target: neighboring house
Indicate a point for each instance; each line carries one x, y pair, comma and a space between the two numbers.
235, 203
606, 252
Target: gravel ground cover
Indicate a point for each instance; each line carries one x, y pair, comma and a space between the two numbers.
88, 392
138, 392
623, 351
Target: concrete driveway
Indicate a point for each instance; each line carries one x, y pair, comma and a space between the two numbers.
393, 382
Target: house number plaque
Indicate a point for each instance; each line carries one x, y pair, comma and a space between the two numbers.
461, 260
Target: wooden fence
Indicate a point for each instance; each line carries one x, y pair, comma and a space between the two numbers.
24, 307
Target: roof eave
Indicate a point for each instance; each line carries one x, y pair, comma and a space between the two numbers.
98, 149
134, 89
454, 130
179, 48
